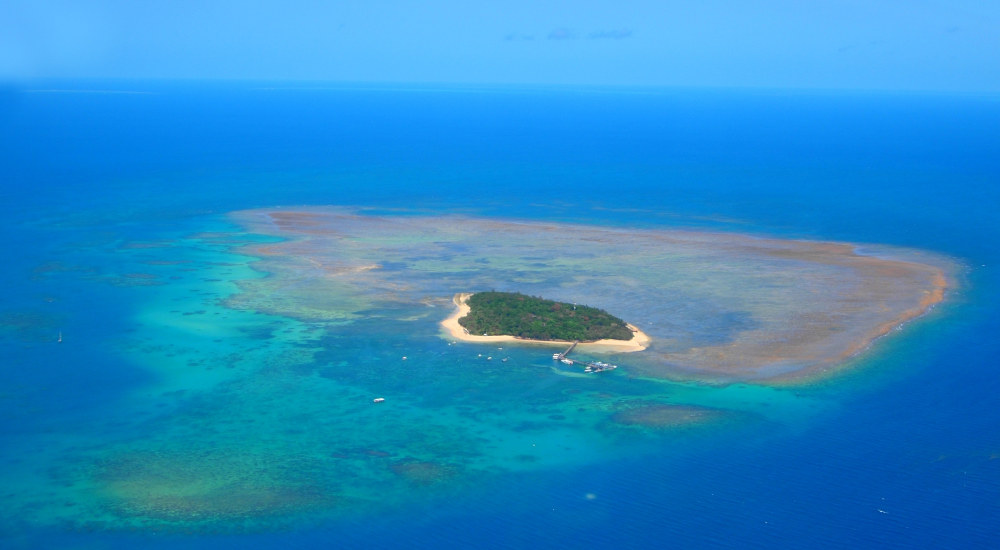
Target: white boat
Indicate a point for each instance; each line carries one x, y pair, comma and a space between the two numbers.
599, 367
378, 400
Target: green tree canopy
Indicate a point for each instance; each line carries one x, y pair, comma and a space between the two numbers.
515, 314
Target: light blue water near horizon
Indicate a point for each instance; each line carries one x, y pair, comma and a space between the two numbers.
904, 450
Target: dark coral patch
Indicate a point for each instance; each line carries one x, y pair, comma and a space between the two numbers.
420, 472
198, 489
665, 416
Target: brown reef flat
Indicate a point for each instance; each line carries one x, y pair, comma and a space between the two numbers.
716, 306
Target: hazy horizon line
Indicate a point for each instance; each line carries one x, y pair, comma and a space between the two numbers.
50, 84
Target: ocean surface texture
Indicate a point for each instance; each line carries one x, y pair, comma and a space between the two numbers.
206, 286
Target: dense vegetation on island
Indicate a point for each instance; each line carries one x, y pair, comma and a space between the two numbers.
515, 314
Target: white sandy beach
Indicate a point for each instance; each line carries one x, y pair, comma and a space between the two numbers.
639, 341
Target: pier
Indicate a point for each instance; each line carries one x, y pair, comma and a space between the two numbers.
561, 356
590, 366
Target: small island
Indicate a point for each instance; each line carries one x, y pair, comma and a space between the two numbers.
534, 318
510, 316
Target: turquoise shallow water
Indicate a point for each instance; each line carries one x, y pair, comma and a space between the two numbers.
169, 419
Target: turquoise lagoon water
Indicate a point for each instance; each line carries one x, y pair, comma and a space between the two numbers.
169, 418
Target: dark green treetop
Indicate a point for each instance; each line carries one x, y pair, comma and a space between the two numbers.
515, 314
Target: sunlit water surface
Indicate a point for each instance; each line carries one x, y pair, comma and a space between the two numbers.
204, 394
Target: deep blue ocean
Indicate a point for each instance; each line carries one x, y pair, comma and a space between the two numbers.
906, 450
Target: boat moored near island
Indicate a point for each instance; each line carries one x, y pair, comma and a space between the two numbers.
595, 366
599, 366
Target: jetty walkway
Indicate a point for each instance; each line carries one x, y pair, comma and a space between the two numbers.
590, 366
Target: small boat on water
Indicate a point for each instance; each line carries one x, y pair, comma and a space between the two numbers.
378, 400
599, 367
60, 337
567, 361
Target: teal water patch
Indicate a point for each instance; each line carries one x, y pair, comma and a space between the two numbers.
258, 413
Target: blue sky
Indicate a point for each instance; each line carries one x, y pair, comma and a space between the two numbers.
848, 44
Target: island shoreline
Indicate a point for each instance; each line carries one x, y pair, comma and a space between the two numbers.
640, 340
